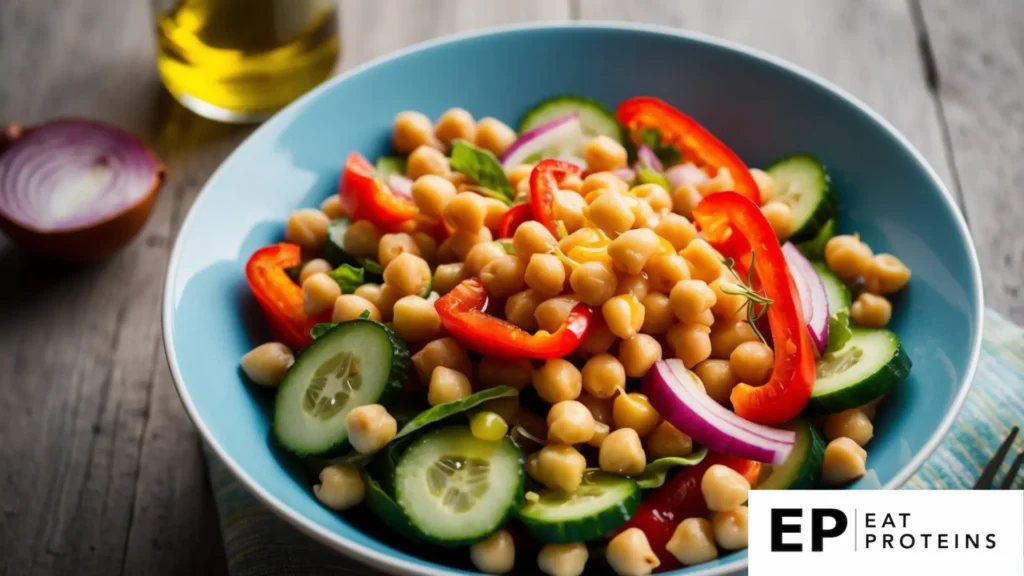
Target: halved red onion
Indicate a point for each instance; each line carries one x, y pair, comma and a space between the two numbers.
685, 174
76, 189
627, 175
682, 401
400, 185
558, 138
813, 298
648, 159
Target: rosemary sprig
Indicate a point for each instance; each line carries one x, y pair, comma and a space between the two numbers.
757, 303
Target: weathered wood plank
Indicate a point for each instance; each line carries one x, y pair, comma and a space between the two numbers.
866, 47
979, 58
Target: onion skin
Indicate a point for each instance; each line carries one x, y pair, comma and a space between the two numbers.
92, 241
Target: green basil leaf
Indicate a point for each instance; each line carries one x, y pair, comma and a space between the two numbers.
372, 266
838, 330
814, 249
654, 474
482, 166
385, 507
348, 277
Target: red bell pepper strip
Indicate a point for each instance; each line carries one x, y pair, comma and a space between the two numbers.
736, 227
544, 181
365, 198
279, 296
463, 316
679, 498
686, 133
514, 218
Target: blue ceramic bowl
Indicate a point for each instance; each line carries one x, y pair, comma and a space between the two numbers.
761, 106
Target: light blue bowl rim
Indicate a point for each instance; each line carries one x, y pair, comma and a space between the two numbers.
382, 561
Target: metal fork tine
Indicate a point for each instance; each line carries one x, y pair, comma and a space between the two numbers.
1012, 474
989, 473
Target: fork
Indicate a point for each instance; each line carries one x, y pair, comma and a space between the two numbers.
988, 475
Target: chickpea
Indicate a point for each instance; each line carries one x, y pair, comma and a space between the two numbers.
267, 363
551, 313
597, 340
557, 380
506, 408
689, 299
621, 453
707, 318
319, 292
717, 377
331, 206
684, 198
520, 308
581, 237
871, 310
412, 130
393, 245
563, 559
570, 422
447, 352
492, 372
496, 209
601, 431
593, 282
532, 238
752, 362
693, 542
603, 375
667, 441
387, 297
503, 276
677, 229
466, 211
416, 320
431, 194
664, 271
561, 467
721, 182
349, 307
611, 213
655, 195
886, 274
847, 256
624, 315
634, 411
455, 124
481, 255
522, 192
518, 174
545, 274
462, 241
726, 336
314, 266
729, 300
427, 160
604, 153
871, 408
780, 216
730, 528
723, 488
370, 428
631, 250
602, 181
691, 343
447, 385
638, 354
658, 316
341, 487
844, 462
448, 276
494, 135
495, 555
853, 424
307, 228
706, 262
766, 185
569, 207
408, 273
630, 554
361, 239
601, 408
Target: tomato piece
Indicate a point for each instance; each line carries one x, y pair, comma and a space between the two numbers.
366, 198
544, 181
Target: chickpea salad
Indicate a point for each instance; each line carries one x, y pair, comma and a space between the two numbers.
575, 345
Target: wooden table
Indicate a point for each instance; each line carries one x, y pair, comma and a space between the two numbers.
100, 469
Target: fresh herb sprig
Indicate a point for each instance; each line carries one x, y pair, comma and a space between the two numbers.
757, 303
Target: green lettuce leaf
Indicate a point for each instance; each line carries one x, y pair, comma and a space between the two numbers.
814, 249
482, 166
654, 474
348, 277
838, 330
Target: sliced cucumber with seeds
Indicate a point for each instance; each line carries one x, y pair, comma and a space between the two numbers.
871, 364
595, 118
602, 503
356, 363
457, 489
802, 468
803, 183
837, 294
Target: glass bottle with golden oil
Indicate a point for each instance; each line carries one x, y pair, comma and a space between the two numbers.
242, 60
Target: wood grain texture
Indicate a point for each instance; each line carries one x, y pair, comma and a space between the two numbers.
979, 61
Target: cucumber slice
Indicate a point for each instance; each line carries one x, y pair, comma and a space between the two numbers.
836, 293
357, 363
595, 118
602, 503
871, 364
804, 184
457, 489
334, 251
803, 467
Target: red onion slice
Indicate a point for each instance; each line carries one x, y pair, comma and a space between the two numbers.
683, 403
400, 185
627, 175
685, 174
558, 138
813, 298
648, 159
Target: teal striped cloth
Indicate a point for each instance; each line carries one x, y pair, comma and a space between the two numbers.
259, 544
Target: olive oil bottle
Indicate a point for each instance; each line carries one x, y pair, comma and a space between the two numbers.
242, 60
